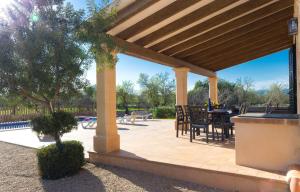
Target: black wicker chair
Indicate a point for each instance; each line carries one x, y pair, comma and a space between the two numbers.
180, 119
198, 120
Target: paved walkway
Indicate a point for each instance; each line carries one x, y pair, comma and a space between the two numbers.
28, 138
18, 173
155, 140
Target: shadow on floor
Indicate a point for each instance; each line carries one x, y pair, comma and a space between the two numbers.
84, 181
201, 140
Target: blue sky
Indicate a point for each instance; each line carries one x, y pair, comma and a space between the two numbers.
263, 71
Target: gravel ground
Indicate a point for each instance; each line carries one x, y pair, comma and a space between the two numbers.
18, 173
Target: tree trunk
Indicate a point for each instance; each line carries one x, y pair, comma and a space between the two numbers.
50, 107
14, 110
126, 109
58, 141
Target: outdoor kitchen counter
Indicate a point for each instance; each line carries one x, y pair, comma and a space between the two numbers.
267, 141
267, 118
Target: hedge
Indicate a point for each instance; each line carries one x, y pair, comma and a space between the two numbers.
55, 163
164, 112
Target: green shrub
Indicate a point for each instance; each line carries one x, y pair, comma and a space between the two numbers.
164, 112
55, 163
55, 124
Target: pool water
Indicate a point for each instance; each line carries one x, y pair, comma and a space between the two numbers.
15, 125
27, 124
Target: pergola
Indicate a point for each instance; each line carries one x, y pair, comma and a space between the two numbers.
198, 36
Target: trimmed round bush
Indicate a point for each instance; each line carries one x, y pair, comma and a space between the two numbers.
56, 162
164, 112
55, 124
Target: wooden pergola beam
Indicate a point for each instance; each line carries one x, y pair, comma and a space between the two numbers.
249, 54
254, 56
147, 54
200, 35
185, 21
221, 35
234, 51
131, 10
253, 39
160, 15
234, 18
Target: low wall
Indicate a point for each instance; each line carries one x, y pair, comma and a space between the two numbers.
267, 143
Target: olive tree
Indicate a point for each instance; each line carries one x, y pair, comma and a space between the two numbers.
40, 56
42, 60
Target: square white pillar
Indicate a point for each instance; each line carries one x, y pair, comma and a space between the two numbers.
107, 138
213, 89
181, 85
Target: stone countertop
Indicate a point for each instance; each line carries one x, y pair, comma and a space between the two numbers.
291, 119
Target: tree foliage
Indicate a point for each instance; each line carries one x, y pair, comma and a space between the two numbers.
199, 95
236, 93
56, 124
276, 95
93, 33
40, 56
158, 89
125, 94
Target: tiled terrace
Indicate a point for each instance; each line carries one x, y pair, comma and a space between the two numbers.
155, 141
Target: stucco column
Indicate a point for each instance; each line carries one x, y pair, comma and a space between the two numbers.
213, 89
297, 42
107, 138
181, 85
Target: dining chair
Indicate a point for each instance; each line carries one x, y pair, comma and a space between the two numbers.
187, 117
243, 108
268, 108
180, 119
221, 121
218, 122
198, 120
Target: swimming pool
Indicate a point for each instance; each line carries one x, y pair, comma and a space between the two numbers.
15, 125
27, 124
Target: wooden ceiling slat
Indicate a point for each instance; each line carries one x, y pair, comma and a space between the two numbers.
131, 10
157, 17
218, 20
250, 39
243, 52
222, 56
252, 56
220, 35
184, 21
